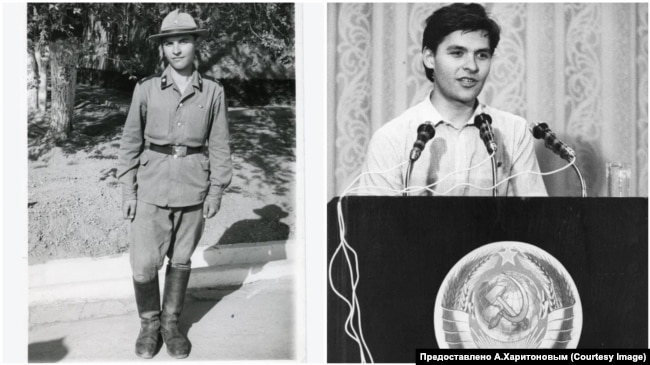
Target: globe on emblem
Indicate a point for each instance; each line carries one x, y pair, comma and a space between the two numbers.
507, 306
508, 295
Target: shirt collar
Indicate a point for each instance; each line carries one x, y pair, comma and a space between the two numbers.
166, 79
428, 112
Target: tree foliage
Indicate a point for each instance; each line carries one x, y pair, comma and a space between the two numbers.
246, 40
113, 36
49, 22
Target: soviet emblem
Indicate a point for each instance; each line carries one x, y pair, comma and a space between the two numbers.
508, 295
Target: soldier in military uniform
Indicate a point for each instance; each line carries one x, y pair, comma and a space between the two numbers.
174, 167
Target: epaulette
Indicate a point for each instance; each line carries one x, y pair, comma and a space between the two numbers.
150, 77
211, 79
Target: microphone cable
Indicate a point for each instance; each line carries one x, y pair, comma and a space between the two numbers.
509, 178
351, 259
430, 186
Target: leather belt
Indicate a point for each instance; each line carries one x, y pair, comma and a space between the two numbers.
175, 150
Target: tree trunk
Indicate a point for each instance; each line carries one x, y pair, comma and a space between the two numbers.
32, 80
42, 64
64, 56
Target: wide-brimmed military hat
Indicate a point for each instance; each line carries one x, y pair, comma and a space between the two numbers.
177, 23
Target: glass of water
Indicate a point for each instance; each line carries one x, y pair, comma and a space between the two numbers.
618, 179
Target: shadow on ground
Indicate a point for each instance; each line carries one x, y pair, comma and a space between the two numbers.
267, 228
48, 351
199, 302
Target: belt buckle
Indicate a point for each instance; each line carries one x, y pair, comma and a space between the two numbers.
179, 151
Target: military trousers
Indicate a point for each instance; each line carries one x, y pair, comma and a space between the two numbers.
156, 232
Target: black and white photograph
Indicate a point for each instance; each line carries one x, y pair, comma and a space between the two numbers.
487, 177
323, 182
162, 182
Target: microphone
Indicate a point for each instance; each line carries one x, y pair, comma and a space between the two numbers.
484, 124
542, 131
425, 133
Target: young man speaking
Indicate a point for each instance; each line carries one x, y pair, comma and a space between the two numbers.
457, 48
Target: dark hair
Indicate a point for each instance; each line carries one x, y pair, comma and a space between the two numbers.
465, 17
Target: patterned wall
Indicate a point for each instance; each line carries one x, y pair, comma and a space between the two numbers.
582, 68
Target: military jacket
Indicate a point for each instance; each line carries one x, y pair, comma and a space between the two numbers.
160, 114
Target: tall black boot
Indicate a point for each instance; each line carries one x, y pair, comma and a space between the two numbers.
147, 298
178, 346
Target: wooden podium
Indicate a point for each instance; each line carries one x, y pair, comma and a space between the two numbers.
406, 246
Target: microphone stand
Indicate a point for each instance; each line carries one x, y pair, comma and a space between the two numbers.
583, 186
426, 131
407, 178
543, 132
483, 122
494, 175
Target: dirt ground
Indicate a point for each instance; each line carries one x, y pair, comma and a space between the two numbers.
74, 202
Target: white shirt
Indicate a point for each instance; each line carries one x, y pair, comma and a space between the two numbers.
452, 150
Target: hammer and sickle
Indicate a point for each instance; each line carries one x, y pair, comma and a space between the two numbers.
494, 297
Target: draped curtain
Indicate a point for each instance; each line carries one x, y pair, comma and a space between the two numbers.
582, 68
